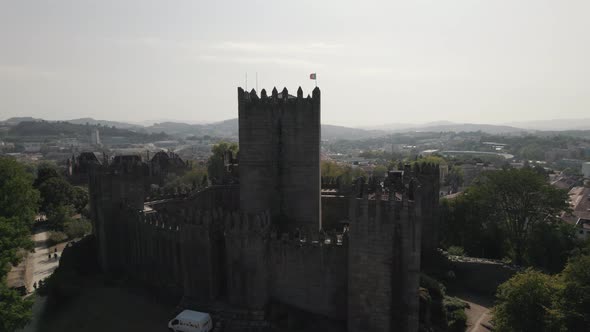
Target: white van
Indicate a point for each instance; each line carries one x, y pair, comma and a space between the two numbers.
191, 321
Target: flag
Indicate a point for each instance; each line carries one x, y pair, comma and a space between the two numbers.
312, 76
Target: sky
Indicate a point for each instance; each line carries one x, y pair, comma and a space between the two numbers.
377, 62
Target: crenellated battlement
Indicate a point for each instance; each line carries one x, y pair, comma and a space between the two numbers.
277, 97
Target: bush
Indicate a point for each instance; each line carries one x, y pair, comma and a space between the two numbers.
456, 251
56, 237
525, 302
77, 228
456, 316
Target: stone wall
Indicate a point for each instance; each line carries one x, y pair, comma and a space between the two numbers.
310, 276
334, 211
480, 275
280, 157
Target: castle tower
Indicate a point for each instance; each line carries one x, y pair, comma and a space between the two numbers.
280, 157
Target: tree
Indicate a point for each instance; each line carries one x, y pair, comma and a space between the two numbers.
380, 171
45, 171
551, 258
15, 311
455, 178
215, 164
77, 228
79, 198
55, 192
334, 170
17, 196
525, 303
519, 199
574, 304
58, 216
18, 207
465, 223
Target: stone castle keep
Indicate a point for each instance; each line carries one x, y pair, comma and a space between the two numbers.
275, 234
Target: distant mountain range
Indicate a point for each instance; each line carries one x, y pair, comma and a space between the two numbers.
511, 127
446, 126
229, 128
554, 125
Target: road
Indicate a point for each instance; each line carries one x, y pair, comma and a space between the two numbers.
42, 267
39, 262
478, 312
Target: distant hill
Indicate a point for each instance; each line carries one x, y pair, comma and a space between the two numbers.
229, 128
66, 129
404, 126
448, 126
468, 127
16, 120
554, 125
107, 123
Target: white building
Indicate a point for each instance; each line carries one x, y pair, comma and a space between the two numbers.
586, 169
94, 137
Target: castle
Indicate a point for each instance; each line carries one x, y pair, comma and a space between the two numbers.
276, 234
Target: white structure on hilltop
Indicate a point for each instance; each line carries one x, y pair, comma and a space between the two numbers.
94, 137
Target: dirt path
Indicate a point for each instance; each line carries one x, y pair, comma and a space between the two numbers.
478, 312
39, 261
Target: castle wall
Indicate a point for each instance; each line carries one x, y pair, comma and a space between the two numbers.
258, 155
110, 191
279, 157
246, 241
312, 277
429, 179
334, 211
299, 168
371, 251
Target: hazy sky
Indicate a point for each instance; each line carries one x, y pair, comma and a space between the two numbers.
377, 61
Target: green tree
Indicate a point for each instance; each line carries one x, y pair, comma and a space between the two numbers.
45, 171
18, 207
465, 223
346, 173
79, 198
58, 216
215, 164
55, 192
455, 178
525, 303
551, 258
77, 228
574, 303
380, 171
519, 199
15, 311
17, 196
193, 178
